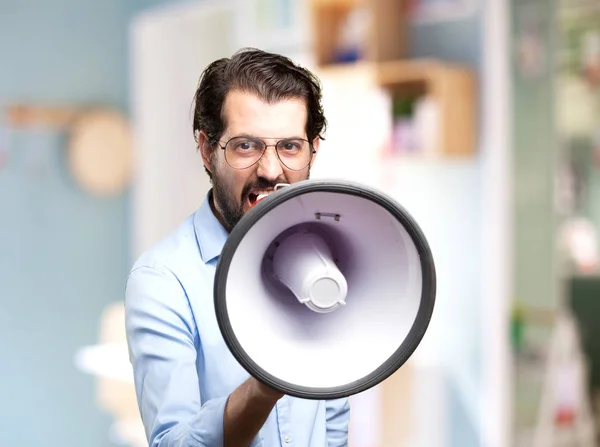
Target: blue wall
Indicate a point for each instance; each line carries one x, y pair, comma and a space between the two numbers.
63, 253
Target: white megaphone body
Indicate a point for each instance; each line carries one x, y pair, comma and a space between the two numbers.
324, 289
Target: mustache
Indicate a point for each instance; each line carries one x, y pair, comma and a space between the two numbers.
261, 183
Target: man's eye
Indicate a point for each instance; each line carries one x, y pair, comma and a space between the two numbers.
291, 145
245, 145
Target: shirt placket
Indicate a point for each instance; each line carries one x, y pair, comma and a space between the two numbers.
284, 422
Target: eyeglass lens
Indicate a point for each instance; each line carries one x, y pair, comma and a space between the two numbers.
243, 152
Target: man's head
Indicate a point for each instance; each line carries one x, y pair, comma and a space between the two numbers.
244, 103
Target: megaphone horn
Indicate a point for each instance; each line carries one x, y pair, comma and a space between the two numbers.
324, 289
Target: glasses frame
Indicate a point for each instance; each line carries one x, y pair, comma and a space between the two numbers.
312, 150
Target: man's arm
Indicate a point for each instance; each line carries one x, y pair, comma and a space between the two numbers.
161, 336
246, 411
338, 420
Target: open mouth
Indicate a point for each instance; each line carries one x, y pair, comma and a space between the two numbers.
257, 196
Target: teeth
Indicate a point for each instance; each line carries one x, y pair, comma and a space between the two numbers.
262, 194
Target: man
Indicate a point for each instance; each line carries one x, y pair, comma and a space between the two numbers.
258, 121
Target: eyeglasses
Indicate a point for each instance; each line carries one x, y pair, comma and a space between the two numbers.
243, 152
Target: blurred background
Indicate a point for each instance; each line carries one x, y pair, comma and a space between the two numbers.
482, 118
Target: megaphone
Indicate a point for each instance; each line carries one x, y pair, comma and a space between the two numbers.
324, 289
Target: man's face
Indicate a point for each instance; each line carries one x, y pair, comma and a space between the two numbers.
234, 191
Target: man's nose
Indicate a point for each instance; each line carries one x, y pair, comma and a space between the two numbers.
269, 165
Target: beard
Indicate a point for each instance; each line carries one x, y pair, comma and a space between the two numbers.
230, 207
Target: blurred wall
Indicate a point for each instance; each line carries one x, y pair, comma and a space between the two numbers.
63, 253
461, 41
535, 153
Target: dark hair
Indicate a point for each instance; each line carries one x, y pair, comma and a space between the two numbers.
272, 77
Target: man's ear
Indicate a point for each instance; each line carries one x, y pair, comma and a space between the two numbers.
316, 145
205, 149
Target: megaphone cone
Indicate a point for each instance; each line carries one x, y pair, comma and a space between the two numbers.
324, 289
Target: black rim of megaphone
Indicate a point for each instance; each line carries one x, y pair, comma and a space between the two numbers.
400, 356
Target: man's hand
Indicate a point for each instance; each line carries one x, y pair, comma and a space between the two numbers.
246, 411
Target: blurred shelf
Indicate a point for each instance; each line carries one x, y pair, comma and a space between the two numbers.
452, 88
586, 275
571, 272
335, 3
385, 37
417, 160
380, 58
29, 115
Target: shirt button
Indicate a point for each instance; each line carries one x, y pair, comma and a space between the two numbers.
287, 438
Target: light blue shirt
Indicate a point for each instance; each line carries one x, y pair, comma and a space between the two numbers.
183, 370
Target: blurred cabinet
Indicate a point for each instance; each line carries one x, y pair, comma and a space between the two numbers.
584, 294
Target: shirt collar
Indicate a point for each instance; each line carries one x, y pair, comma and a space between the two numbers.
210, 234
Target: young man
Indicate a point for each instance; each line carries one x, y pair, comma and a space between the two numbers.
258, 122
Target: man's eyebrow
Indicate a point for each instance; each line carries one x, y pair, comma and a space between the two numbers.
245, 135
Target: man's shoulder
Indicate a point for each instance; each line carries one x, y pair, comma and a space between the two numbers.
178, 248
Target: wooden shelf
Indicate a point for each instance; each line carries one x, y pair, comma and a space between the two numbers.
334, 3
384, 61
385, 39
452, 87
29, 115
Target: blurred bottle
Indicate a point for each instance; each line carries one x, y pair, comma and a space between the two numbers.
580, 240
351, 42
591, 57
517, 327
426, 124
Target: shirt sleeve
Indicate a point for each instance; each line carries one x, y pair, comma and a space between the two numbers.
338, 420
161, 337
